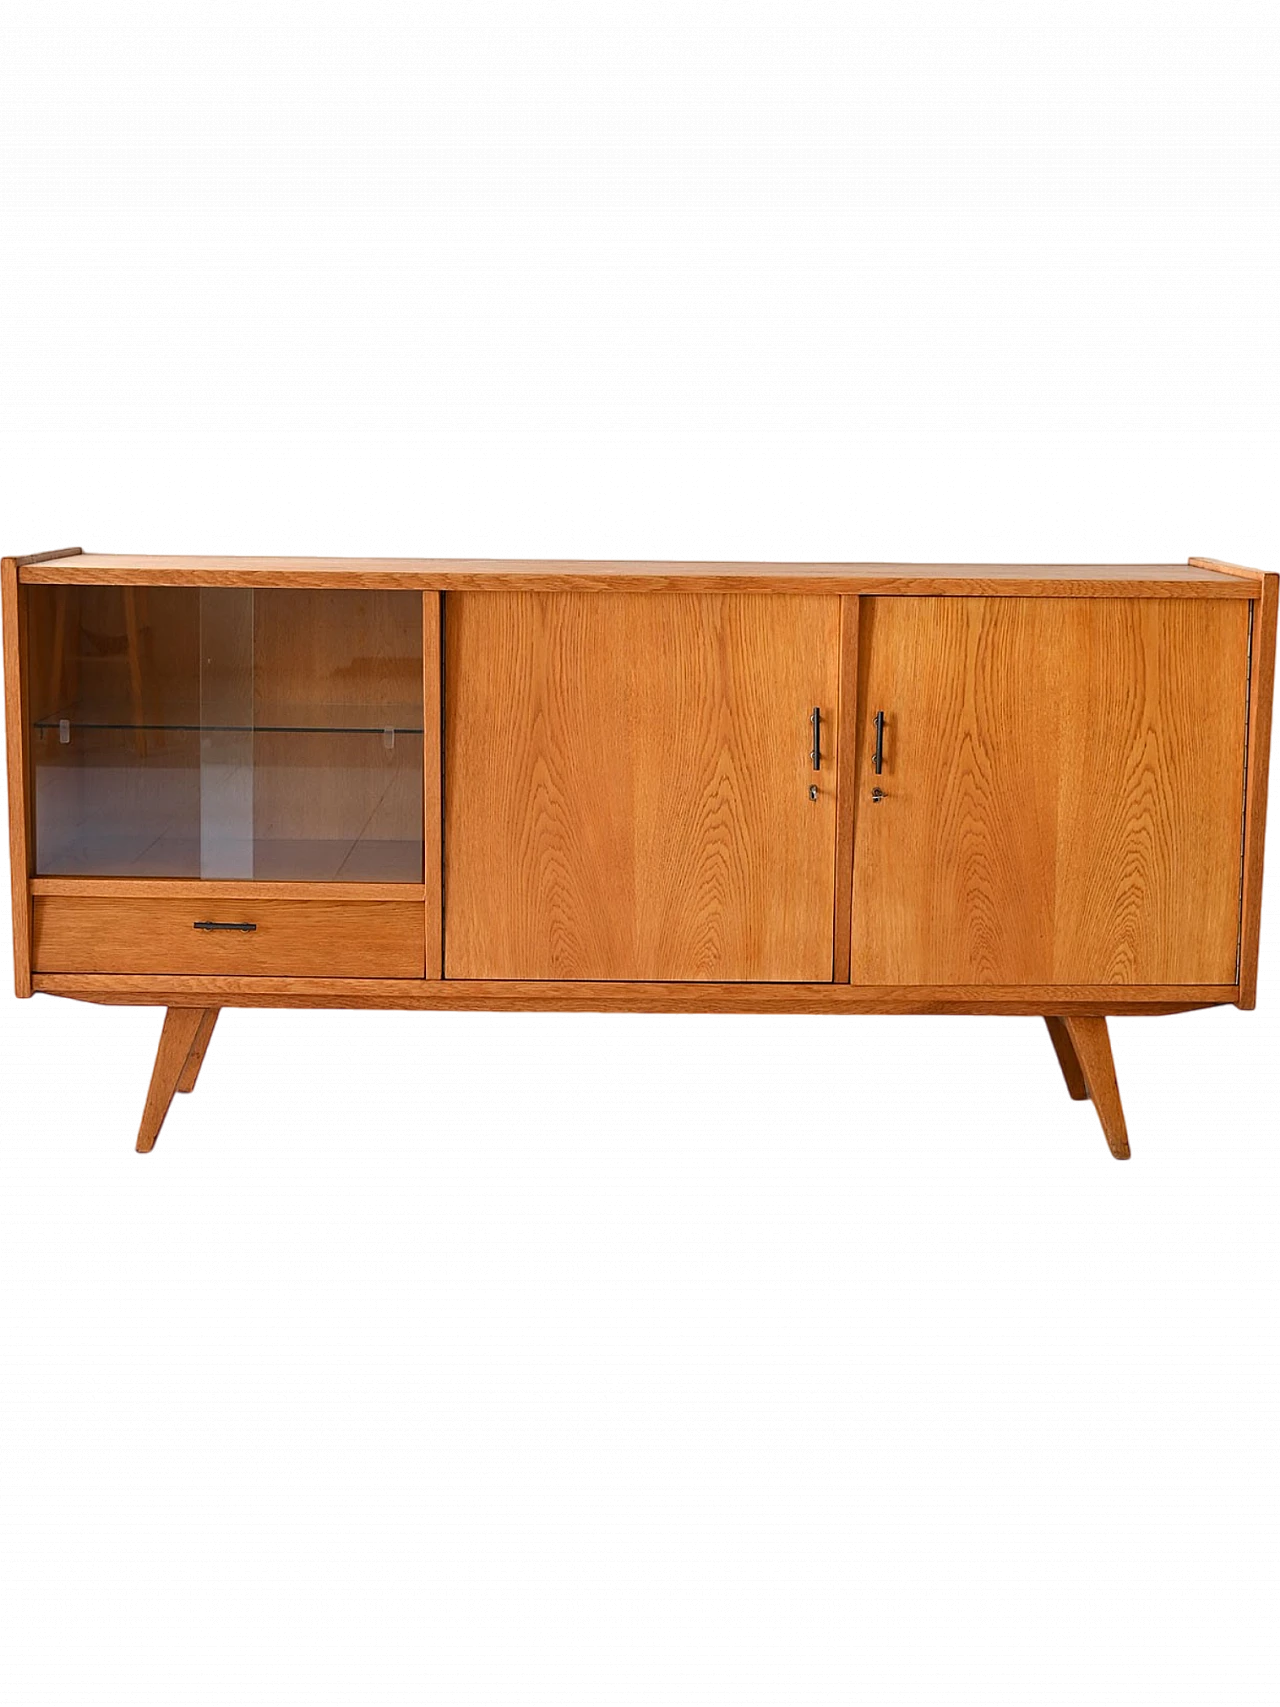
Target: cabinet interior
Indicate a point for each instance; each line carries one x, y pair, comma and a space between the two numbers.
224, 732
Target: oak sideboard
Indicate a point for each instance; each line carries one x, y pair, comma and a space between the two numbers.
822, 788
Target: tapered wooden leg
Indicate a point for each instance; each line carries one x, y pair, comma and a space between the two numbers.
1089, 1039
181, 1026
1072, 1071
195, 1060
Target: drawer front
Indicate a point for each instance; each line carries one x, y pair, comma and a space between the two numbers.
311, 939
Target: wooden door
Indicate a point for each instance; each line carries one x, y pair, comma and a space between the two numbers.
1063, 789
627, 785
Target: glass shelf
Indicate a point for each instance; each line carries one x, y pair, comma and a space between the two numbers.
268, 719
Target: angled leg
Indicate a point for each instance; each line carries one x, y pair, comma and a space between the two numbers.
195, 1060
1068, 1060
181, 1026
1092, 1046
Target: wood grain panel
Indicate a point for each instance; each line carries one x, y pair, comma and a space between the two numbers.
1262, 675
547, 996
627, 786
15, 720
333, 939
1151, 746
1062, 792
1057, 580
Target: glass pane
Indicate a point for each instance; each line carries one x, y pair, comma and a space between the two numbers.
227, 732
115, 747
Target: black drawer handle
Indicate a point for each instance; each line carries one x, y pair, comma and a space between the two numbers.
217, 925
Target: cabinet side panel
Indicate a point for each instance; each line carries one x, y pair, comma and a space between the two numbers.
1261, 691
19, 789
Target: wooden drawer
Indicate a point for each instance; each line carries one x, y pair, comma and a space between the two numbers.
313, 939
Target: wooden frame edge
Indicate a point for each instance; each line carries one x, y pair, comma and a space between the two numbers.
433, 782
61, 569
20, 860
846, 756
48, 556
1262, 671
1225, 568
219, 888
479, 995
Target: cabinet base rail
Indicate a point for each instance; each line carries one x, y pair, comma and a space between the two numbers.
514, 995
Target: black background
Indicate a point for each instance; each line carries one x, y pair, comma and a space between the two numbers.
623, 1508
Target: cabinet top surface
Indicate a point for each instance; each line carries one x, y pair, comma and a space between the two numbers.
1197, 578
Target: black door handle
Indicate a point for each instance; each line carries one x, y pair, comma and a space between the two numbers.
877, 760
217, 925
815, 721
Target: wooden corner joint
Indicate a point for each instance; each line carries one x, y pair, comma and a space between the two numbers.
47, 556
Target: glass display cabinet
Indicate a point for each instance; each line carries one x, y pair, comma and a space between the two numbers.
209, 732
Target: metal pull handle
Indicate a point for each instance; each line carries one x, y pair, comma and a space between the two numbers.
217, 925
877, 760
815, 721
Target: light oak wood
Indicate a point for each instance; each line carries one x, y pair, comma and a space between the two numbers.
15, 719
1262, 672
584, 996
1092, 1046
627, 786
846, 784
178, 1034
432, 786
1064, 1049
1219, 566
218, 888
47, 556
1062, 792
378, 939
1075, 790
1010, 580
199, 1045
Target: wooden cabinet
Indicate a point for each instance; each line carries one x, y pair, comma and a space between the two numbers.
629, 785
813, 788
